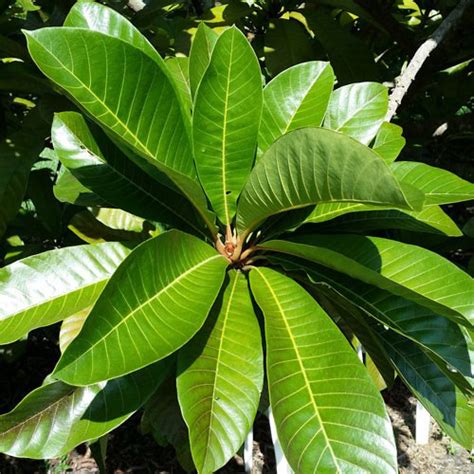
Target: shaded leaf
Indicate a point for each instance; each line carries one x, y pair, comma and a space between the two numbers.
286, 43
106, 171
350, 57
405, 270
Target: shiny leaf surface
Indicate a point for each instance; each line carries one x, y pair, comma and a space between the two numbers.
221, 377
296, 98
329, 415
154, 303
45, 288
227, 111
358, 110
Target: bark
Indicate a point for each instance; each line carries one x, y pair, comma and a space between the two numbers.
403, 82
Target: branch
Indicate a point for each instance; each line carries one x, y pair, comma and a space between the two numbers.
404, 81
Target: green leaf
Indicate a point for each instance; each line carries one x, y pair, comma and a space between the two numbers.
366, 218
358, 110
389, 141
444, 341
154, 303
97, 17
45, 288
55, 418
312, 165
296, 98
440, 186
445, 403
350, 57
329, 415
200, 54
227, 111
106, 171
423, 376
221, 378
179, 70
68, 189
91, 229
128, 94
286, 43
71, 327
405, 270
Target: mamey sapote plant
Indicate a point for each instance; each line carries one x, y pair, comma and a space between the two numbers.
254, 278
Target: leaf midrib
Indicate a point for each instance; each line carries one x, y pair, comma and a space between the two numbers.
224, 133
302, 369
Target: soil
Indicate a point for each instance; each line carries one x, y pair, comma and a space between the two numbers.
129, 451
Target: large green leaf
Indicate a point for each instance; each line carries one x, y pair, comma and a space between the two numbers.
127, 93
226, 116
389, 141
314, 165
329, 415
97, 17
358, 110
106, 171
350, 57
55, 418
443, 340
200, 54
287, 43
440, 186
221, 377
366, 217
154, 303
405, 270
296, 98
45, 288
